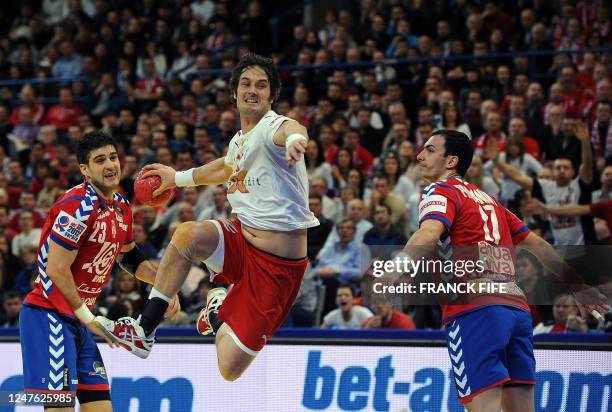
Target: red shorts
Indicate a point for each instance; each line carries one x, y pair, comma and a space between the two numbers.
265, 288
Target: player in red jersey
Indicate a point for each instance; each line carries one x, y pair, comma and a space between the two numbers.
84, 233
489, 335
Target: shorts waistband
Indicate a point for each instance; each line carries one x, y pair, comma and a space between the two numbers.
286, 259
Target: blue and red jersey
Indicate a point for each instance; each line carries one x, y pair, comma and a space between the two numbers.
478, 228
82, 220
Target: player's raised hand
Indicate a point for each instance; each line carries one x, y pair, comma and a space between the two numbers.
173, 308
95, 329
295, 151
165, 173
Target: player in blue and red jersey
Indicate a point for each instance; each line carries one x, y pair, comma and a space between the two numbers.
489, 334
85, 231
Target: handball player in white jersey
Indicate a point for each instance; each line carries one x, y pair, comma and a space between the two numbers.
262, 253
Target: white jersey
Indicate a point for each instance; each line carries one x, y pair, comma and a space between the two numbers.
567, 230
264, 193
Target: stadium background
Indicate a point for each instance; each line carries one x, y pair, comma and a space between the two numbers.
155, 74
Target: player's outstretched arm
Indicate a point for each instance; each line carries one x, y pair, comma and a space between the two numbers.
294, 137
587, 297
214, 173
58, 269
586, 167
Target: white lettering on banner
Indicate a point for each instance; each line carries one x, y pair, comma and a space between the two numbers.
104, 260
432, 203
326, 378
69, 228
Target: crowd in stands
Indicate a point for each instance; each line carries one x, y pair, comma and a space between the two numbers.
540, 125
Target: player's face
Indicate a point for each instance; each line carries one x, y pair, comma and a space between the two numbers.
103, 169
253, 96
432, 159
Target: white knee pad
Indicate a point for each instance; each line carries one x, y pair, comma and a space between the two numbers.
215, 261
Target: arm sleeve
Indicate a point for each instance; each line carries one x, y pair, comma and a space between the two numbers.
439, 202
601, 209
518, 230
71, 222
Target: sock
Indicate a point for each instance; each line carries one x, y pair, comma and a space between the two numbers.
157, 294
152, 314
215, 322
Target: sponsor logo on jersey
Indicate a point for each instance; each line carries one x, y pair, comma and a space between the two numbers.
104, 260
433, 203
67, 227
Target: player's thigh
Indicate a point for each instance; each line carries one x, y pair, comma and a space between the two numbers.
97, 406
518, 398
487, 401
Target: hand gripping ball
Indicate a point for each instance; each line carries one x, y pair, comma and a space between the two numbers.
144, 188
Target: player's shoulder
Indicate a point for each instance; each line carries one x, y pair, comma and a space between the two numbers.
122, 200
445, 186
81, 196
273, 120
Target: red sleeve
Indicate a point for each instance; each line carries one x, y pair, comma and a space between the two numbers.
70, 222
400, 320
518, 230
601, 209
440, 202
130, 232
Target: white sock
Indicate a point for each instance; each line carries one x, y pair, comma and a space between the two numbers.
157, 294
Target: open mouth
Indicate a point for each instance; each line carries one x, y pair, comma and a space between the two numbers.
110, 175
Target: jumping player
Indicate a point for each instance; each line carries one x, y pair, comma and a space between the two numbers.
84, 233
263, 253
489, 335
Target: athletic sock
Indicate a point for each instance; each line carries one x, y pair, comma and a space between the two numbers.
215, 322
152, 314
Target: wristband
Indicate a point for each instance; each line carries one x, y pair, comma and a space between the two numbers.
184, 178
84, 314
292, 138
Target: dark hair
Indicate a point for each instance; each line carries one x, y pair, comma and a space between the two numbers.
346, 286
92, 141
457, 144
386, 206
310, 196
520, 143
267, 65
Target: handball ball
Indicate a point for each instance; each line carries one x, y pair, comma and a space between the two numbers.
144, 188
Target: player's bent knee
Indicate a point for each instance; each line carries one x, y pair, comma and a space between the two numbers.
195, 240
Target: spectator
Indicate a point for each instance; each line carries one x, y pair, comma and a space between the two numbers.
356, 213
387, 318
220, 208
564, 189
381, 194
566, 317
25, 279
317, 235
605, 193
515, 155
347, 315
69, 64
29, 235
384, 238
450, 119
341, 262
319, 187
476, 176
11, 305
64, 114
493, 131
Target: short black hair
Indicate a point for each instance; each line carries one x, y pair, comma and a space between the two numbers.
267, 65
457, 144
346, 286
92, 141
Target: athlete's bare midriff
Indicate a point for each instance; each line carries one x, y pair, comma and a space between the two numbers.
291, 244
